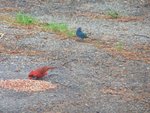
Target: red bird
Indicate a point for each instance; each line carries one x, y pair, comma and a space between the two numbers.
40, 72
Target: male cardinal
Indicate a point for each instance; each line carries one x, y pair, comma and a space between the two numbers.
40, 72
80, 34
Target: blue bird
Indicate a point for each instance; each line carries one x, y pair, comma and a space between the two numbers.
80, 34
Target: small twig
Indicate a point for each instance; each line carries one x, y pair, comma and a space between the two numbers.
1, 60
1, 35
142, 35
69, 62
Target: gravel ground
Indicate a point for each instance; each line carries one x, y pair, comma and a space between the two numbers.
93, 77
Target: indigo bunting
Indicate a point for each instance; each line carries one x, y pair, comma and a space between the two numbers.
40, 72
80, 34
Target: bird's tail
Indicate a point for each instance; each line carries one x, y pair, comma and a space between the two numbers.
51, 68
86, 36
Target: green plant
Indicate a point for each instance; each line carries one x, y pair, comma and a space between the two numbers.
25, 19
71, 33
113, 14
119, 46
60, 28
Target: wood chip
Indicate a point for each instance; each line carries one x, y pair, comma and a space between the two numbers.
26, 85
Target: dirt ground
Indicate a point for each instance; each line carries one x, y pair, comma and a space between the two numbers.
93, 76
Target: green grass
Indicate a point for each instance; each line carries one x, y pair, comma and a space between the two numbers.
113, 14
119, 46
61, 28
25, 19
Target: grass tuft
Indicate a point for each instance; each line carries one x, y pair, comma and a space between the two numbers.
113, 14
25, 19
60, 28
119, 46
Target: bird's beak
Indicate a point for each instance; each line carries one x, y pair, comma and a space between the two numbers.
30, 78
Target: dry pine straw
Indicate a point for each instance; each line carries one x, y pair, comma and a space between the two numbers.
26, 85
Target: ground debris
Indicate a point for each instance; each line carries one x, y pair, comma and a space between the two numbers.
26, 85
126, 93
